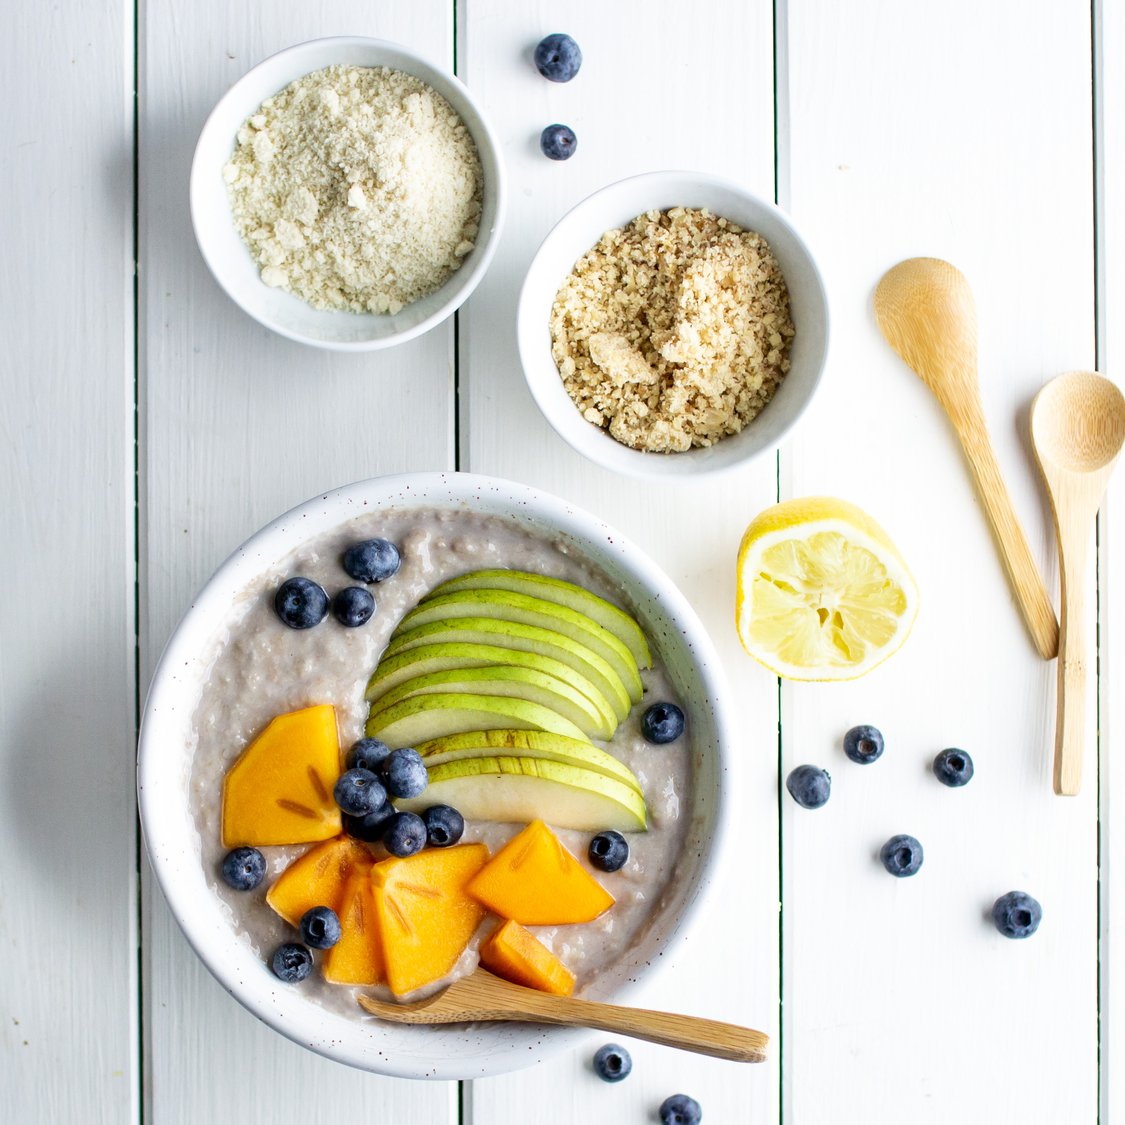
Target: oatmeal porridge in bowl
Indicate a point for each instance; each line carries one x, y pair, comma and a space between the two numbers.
420, 724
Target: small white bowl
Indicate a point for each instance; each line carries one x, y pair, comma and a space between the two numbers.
227, 255
615, 206
166, 749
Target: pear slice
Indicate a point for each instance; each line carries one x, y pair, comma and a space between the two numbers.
575, 597
523, 638
526, 744
503, 605
424, 717
514, 789
520, 683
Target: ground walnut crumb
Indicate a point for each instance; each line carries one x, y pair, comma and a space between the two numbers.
673, 331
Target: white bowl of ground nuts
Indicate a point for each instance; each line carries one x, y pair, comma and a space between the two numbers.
673, 325
347, 193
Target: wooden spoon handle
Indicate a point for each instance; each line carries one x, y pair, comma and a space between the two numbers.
1070, 701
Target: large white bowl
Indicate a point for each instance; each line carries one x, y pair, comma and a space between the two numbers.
229, 259
615, 206
164, 768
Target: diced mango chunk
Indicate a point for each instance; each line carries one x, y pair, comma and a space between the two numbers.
518, 955
357, 958
317, 878
534, 880
280, 789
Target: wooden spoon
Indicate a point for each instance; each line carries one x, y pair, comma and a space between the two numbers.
1077, 429
925, 309
484, 997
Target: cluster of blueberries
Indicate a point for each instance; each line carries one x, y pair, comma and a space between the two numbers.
612, 1063
1015, 914
557, 58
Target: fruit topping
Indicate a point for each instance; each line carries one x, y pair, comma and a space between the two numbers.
534, 880
609, 851
809, 786
864, 744
317, 878
953, 768
444, 826
279, 791
517, 955
367, 754
357, 958
558, 142
320, 927
301, 603
371, 826
558, 57
1017, 914
291, 962
902, 856
372, 560
612, 1063
243, 868
359, 792
662, 723
353, 606
405, 834
679, 1109
404, 773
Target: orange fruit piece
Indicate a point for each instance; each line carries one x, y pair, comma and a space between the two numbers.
518, 955
425, 917
280, 789
533, 879
317, 878
357, 958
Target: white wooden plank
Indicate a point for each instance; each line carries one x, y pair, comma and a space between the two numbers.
960, 131
238, 425
67, 884
658, 88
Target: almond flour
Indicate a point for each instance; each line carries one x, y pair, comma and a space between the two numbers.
356, 188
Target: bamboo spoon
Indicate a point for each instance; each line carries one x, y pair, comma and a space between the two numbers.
1077, 428
926, 312
484, 997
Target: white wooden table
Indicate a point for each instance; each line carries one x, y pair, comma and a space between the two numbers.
149, 426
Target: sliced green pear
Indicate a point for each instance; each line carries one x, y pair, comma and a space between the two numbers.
425, 659
526, 610
525, 744
500, 679
524, 638
575, 597
424, 717
526, 789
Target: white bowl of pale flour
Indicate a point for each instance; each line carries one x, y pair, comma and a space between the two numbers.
211, 669
347, 208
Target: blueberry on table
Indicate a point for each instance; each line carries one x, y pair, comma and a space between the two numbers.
1016, 914
367, 754
609, 851
372, 560
404, 773
558, 57
405, 834
359, 792
243, 869
291, 962
444, 825
809, 786
353, 606
864, 744
902, 856
369, 828
612, 1063
301, 603
662, 723
320, 927
679, 1109
953, 768
558, 142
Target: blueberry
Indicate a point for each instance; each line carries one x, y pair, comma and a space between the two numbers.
809, 786
291, 962
1016, 914
373, 560
370, 827
662, 722
444, 825
405, 834
679, 1109
244, 868
320, 927
609, 851
558, 142
864, 744
359, 792
301, 603
612, 1063
558, 57
353, 606
367, 754
902, 856
404, 774
953, 768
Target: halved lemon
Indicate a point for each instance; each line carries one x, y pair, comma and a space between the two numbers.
823, 593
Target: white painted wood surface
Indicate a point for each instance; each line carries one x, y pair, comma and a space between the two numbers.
962, 131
